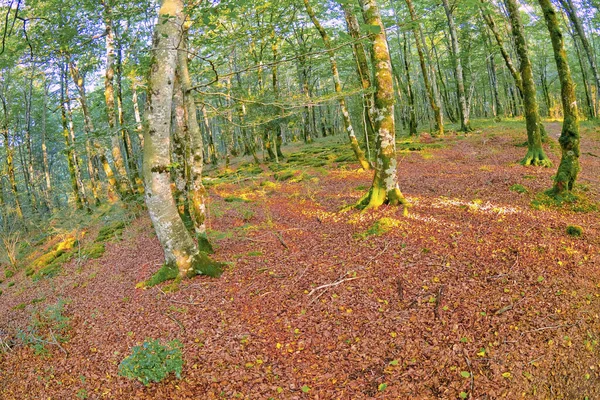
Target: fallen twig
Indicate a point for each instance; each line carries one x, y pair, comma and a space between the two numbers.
278, 236
178, 322
550, 327
338, 282
438, 300
472, 378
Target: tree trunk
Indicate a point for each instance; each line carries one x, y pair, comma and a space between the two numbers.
109, 94
358, 152
572, 14
460, 82
10, 167
569, 137
127, 145
433, 101
362, 67
95, 147
385, 188
181, 252
535, 154
197, 194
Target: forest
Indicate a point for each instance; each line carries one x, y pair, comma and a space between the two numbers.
335, 199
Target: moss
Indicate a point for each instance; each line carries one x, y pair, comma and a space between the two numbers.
204, 265
20, 306
236, 199
53, 268
519, 188
110, 231
284, 175
344, 158
94, 250
269, 185
574, 230
166, 273
11, 284
382, 226
9, 273
204, 244
570, 201
254, 253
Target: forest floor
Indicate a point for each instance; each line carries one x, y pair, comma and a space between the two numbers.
478, 293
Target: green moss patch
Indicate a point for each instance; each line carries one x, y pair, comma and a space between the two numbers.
110, 231
382, 226
166, 273
575, 201
94, 250
574, 230
518, 188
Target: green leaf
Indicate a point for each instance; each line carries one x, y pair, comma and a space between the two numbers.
305, 389
382, 387
463, 395
394, 362
465, 374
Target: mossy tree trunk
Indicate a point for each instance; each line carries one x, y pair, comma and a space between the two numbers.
569, 137
362, 67
96, 148
10, 167
385, 188
197, 194
181, 252
535, 152
125, 187
570, 8
127, 144
358, 152
489, 20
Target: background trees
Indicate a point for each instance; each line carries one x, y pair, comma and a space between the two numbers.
259, 76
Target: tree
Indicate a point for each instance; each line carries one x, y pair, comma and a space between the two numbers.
460, 81
181, 252
348, 128
569, 137
535, 153
385, 188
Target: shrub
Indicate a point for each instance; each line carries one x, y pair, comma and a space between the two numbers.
152, 362
574, 230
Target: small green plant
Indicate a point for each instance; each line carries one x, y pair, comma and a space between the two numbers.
519, 188
574, 230
9, 273
47, 327
152, 362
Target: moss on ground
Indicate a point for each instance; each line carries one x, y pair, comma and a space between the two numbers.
574, 230
518, 188
166, 273
575, 201
94, 250
381, 227
110, 231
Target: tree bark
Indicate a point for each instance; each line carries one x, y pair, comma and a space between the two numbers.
569, 7
109, 94
535, 154
460, 82
385, 188
433, 101
569, 137
181, 252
